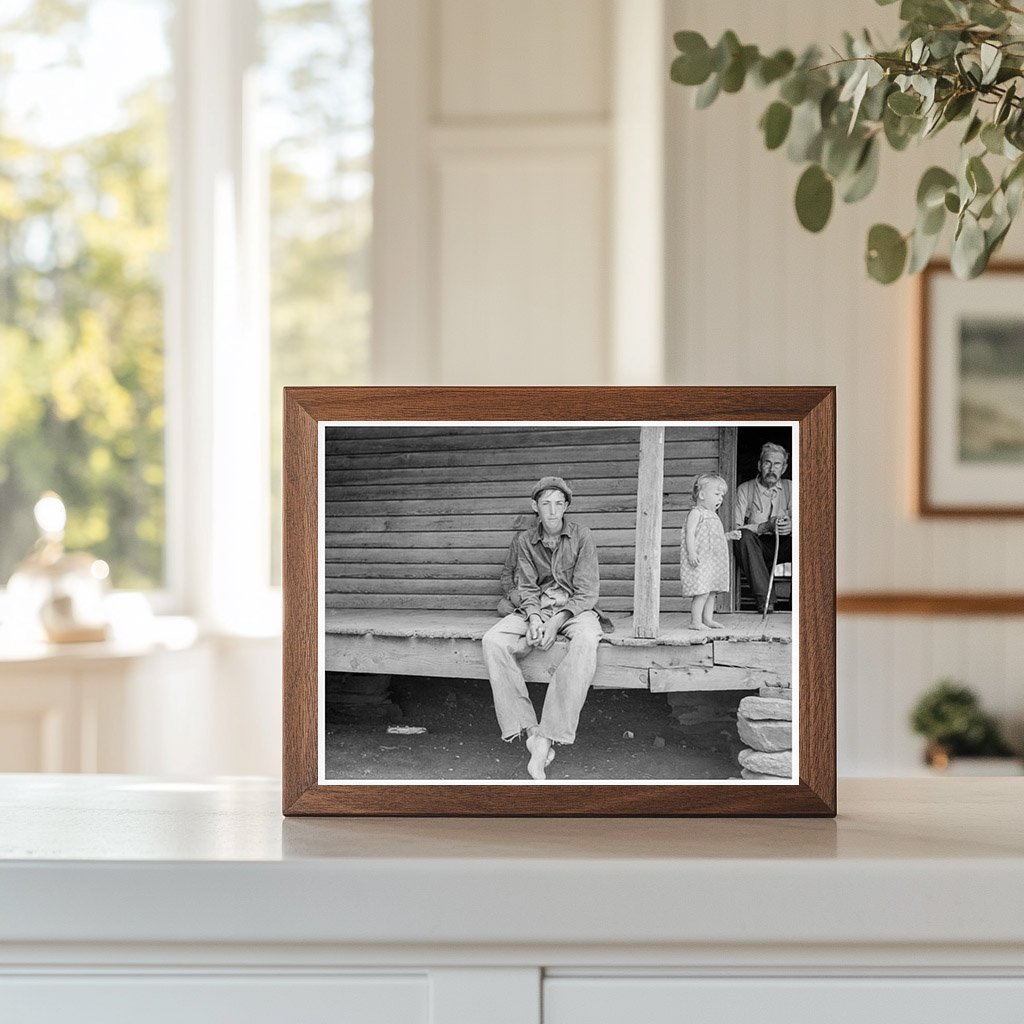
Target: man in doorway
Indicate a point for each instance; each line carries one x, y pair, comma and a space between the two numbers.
558, 583
760, 506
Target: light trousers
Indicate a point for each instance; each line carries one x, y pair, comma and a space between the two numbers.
505, 643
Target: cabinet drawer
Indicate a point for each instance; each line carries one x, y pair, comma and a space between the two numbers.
661, 1000
223, 999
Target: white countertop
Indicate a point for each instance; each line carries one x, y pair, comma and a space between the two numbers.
124, 859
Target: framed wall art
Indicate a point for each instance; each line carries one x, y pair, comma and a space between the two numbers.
559, 601
970, 444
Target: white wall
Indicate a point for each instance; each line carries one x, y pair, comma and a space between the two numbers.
753, 298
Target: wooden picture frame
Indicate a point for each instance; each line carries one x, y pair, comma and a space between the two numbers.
959, 470
811, 791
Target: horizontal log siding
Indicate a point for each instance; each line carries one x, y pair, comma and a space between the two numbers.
421, 518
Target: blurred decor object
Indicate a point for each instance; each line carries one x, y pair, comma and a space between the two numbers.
58, 594
971, 393
951, 719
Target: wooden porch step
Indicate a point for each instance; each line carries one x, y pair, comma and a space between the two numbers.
743, 656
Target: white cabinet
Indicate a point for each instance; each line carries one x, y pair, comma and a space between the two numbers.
824, 1000
131, 898
205, 999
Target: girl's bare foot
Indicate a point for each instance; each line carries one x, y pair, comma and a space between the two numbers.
542, 753
697, 625
713, 624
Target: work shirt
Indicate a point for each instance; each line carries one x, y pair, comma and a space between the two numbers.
755, 504
564, 578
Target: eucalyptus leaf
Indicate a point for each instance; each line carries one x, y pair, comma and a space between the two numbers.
952, 202
725, 50
814, 195
707, 93
840, 152
958, 105
987, 15
886, 253
972, 132
991, 60
805, 133
968, 247
775, 124
903, 103
922, 248
865, 173
993, 138
932, 221
771, 69
978, 175
794, 88
931, 190
1004, 106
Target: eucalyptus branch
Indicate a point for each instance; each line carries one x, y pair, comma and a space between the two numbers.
833, 117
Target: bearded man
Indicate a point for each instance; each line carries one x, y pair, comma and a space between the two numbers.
760, 505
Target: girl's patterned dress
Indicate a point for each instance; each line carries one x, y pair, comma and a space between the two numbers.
712, 571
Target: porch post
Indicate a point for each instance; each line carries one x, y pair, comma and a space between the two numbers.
649, 497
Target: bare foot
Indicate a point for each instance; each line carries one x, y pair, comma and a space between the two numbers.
698, 625
713, 624
542, 753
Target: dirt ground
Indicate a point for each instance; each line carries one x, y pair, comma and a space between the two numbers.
623, 734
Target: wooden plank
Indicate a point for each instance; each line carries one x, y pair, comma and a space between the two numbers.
434, 585
471, 522
374, 569
370, 552
341, 455
539, 434
649, 517
666, 680
479, 437
727, 449
454, 539
576, 473
338, 503
460, 659
772, 657
339, 486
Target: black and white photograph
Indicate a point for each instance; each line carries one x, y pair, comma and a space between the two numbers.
558, 602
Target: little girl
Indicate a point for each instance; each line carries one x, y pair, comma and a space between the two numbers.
704, 555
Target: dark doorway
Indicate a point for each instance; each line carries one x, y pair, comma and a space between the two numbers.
748, 450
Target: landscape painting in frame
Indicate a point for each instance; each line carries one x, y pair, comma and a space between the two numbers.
972, 393
553, 603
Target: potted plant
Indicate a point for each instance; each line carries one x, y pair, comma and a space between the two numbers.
950, 718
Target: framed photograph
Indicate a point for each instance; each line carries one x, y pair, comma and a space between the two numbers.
970, 450
559, 601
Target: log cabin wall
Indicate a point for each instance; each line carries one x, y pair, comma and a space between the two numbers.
422, 517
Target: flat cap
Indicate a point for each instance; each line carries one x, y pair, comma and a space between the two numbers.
546, 483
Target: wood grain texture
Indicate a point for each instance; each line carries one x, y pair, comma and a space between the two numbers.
648, 517
812, 407
925, 603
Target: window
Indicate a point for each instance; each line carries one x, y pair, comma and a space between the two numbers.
317, 119
185, 221
83, 237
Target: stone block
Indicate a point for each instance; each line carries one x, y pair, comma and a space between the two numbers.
776, 692
776, 709
764, 735
779, 763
